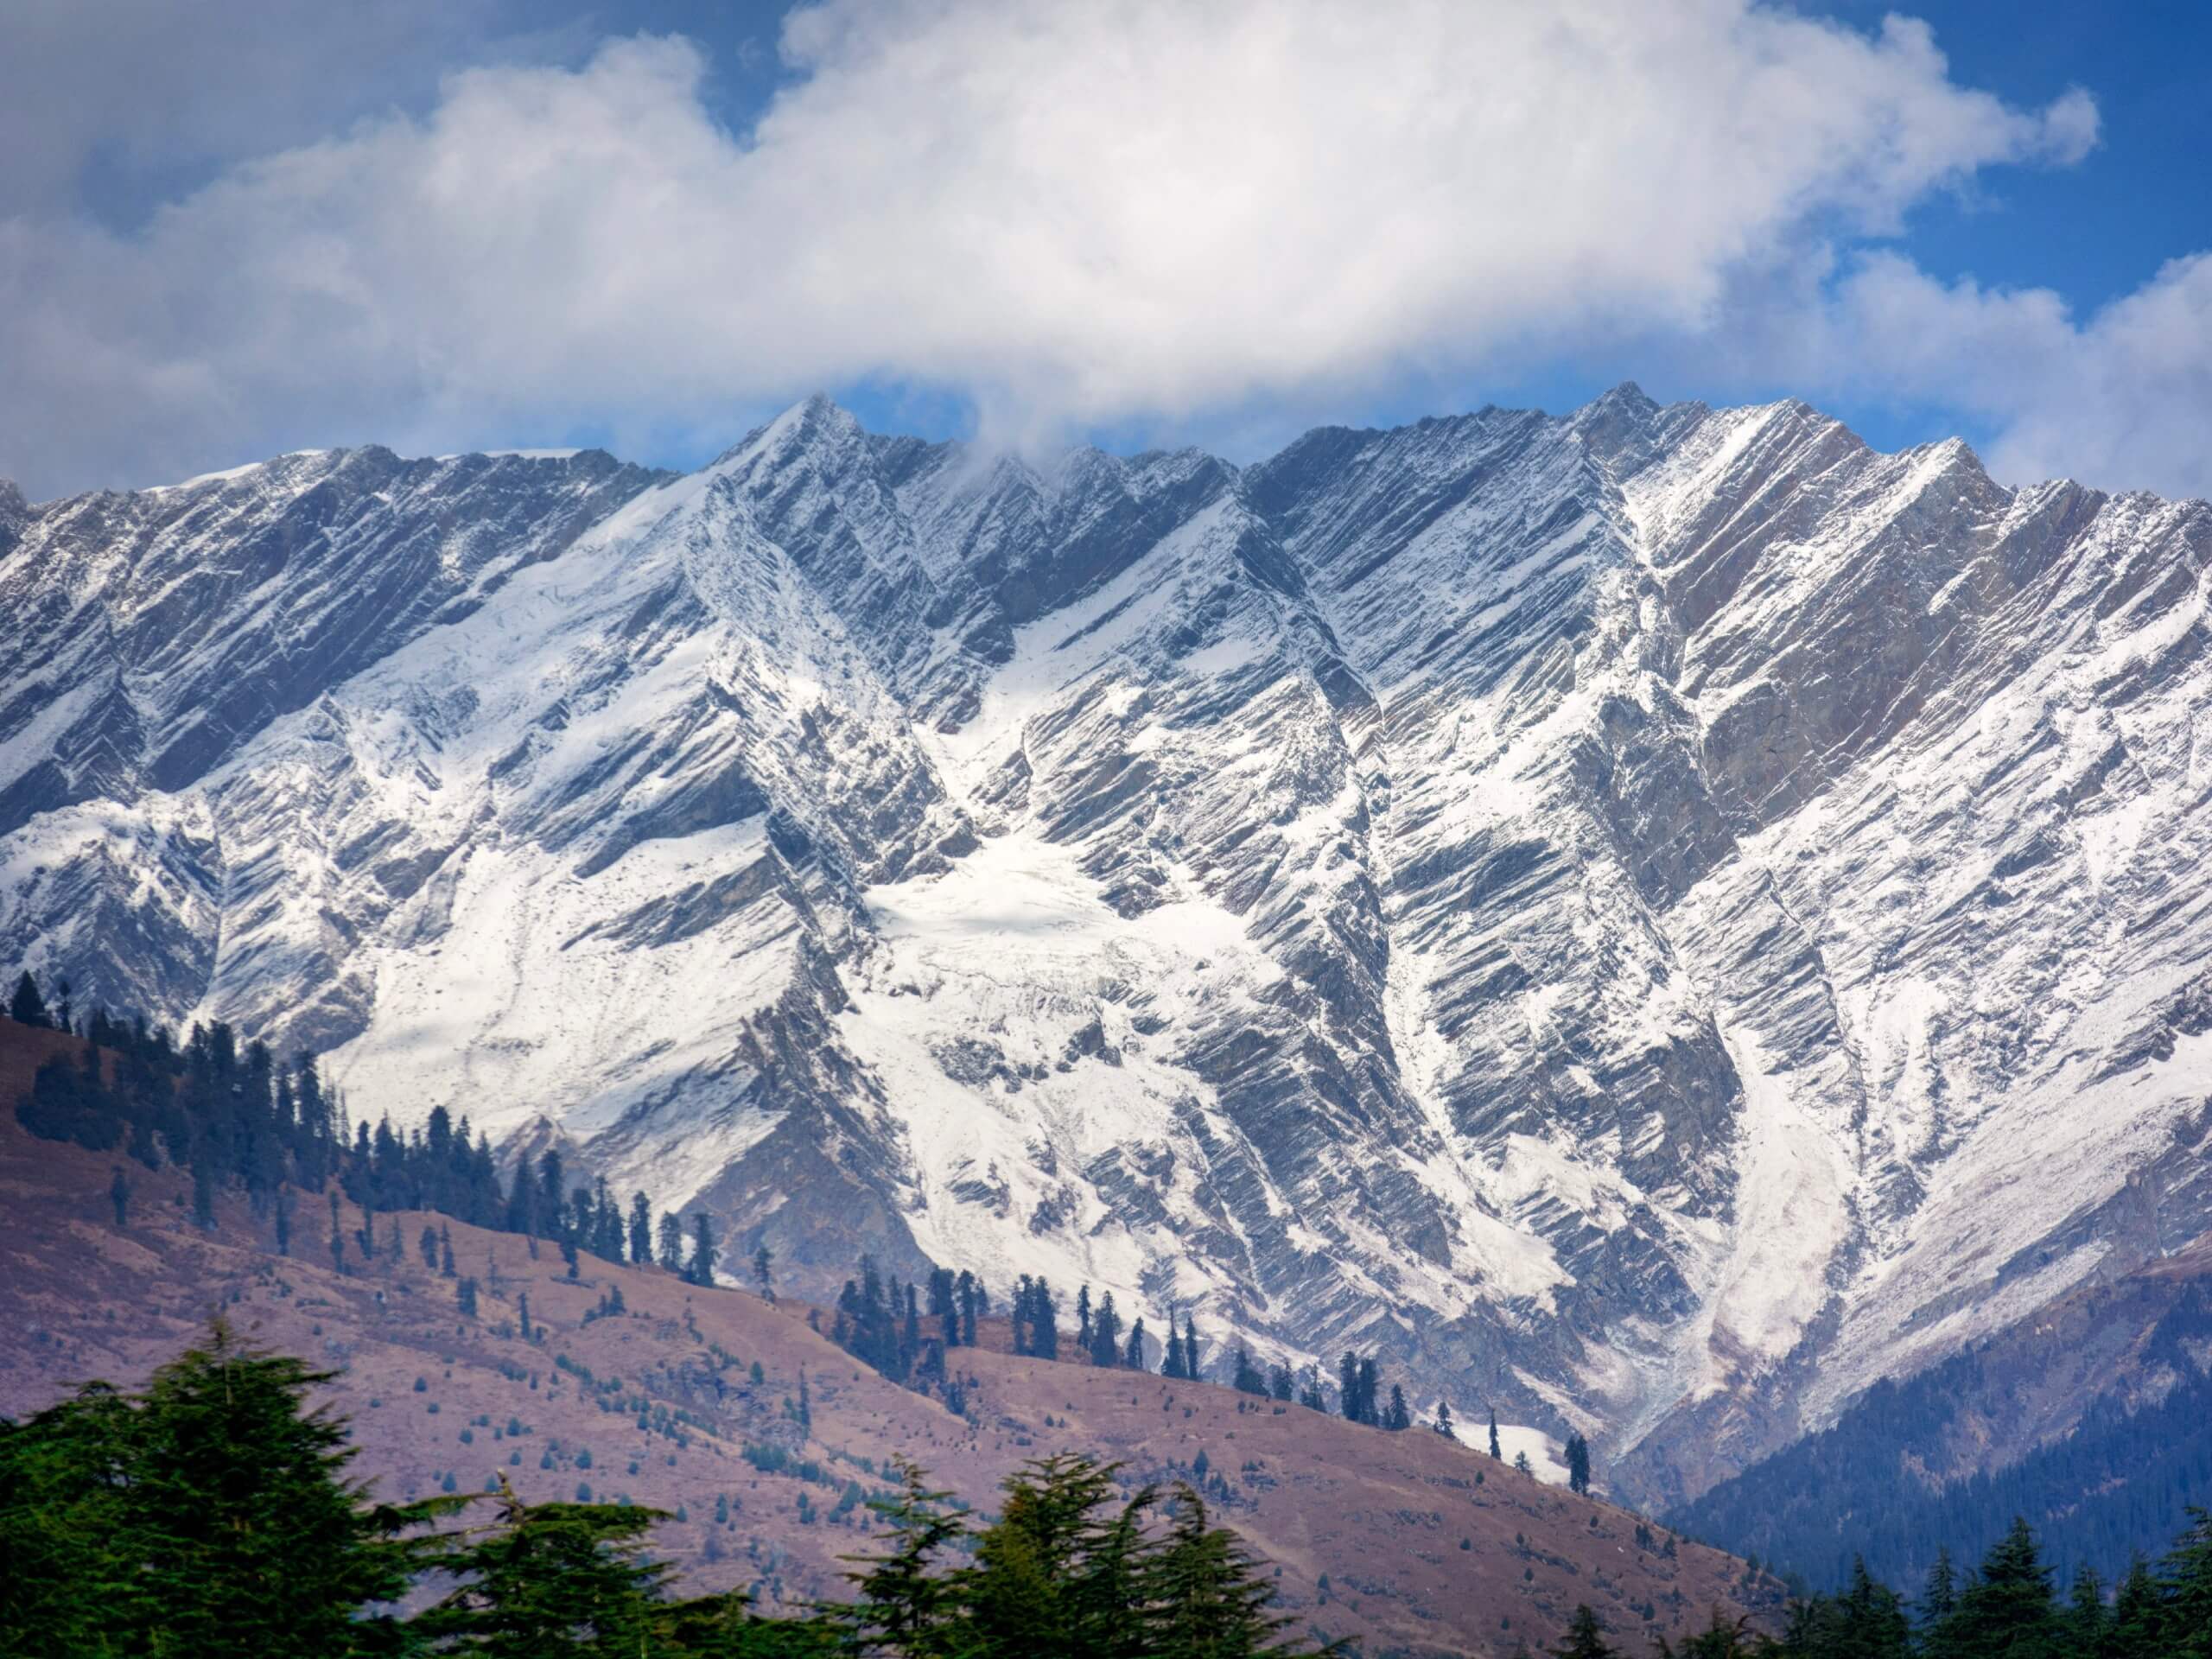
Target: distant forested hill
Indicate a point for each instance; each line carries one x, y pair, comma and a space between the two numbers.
1877, 1483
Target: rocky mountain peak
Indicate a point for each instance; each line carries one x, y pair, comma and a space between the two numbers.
1652, 919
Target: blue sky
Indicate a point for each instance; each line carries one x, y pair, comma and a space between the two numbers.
649, 224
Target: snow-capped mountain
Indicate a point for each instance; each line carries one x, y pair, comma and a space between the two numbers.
1652, 920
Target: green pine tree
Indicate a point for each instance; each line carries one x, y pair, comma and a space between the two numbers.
1057, 1573
2007, 1612
250, 1540
1585, 1637
700, 1270
2185, 1591
27, 1006
904, 1603
2138, 1614
1204, 1597
68, 1584
555, 1580
2086, 1623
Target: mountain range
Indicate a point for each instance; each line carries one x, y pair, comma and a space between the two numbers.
1652, 921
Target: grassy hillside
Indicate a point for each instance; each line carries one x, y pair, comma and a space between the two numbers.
688, 1400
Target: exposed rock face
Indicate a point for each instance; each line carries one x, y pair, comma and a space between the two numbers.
1654, 920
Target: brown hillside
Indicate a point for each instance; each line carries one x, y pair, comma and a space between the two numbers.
1428, 1547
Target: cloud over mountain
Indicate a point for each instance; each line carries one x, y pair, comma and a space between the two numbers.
1071, 217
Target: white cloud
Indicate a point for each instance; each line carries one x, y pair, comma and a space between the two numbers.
1124, 210
147, 91
2122, 398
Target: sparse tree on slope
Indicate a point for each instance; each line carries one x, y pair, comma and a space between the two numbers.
671, 1242
1578, 1464
1398, 1417
700, 1270
27, 1006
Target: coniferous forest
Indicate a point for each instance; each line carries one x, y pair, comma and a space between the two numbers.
213, 1515
241, 1120
2127, 1476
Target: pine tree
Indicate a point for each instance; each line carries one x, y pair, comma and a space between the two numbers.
2138, 1614
2185, 1590
903, 1604
1083, 1319
1939, 1596
1044, 1320
203, 1193
1133, 1356
27, 1006
1725, 1638
1577, 1464
700, 1270
445, 1251
1056, 1574
641, 1230
2085, 1622
465, 1295
672, 1243
2007, 1611
1206, 1598
1444, 1420
522, 1316
555, 1578
1585, 1637
118, 1194
1105, 1333
1247, 1377
254, 1541
764, 1261
1870, 1620
1495, 1450
69, 1572
969, 1293
1398, 1417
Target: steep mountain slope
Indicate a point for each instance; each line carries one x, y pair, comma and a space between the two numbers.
2100, 1409
1412, 1545
1654, 920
